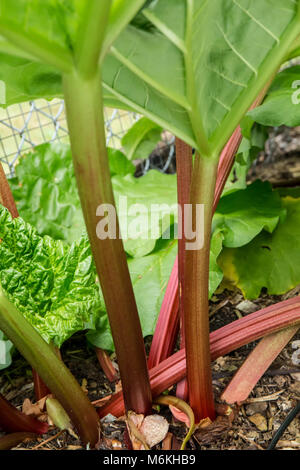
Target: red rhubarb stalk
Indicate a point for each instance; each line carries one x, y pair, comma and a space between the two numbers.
167, 312
184, 170
256, 365
13, 420
223, 341
106, 365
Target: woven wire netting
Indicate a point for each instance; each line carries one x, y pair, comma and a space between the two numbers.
24, 126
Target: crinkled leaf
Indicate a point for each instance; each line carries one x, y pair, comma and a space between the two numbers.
46, 193
270, 261
242, 215
53, 285
282, 105
6, 348
141, 139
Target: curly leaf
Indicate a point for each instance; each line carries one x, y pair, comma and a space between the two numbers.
53, 285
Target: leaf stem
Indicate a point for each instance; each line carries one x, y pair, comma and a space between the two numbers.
91, 34
222, 341
86, 125
195, 295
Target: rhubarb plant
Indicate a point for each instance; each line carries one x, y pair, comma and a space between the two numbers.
187, 66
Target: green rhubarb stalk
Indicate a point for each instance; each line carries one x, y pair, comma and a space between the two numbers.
195, 298
53, 372
86, 124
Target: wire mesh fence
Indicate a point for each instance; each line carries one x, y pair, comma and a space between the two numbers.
24, 126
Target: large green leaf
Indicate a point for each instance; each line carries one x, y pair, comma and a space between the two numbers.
149, 210
254, 138
242, 215
270, 261
46, 194
26, 80
195, 66
141, 139
47, 198
282, 105
53, 285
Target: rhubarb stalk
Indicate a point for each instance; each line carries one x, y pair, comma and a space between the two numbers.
254, 326
195, 295
256, 364
86, 125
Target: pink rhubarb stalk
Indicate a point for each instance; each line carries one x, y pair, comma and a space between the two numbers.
256, 365
264, 322
167, 312
106, 365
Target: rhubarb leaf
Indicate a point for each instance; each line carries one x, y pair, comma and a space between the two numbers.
6, 348
270, 261
242, 215
282, 104
252, 143
53, 285
148, 211
26, 80
141, 139
189, 66
46, 195
48, 28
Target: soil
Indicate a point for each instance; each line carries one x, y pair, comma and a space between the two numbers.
274, 396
